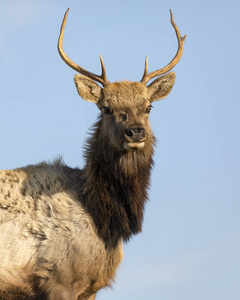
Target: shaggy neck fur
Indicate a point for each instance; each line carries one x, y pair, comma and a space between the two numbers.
115, 187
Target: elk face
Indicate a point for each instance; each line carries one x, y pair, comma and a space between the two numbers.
125, 105
125, 108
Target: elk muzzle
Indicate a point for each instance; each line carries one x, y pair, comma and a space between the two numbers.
135, 138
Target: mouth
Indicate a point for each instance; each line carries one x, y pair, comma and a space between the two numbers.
131, 146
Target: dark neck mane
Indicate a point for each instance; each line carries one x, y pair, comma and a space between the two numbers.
115, 187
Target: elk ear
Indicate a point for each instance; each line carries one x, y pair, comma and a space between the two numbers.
88, 89
161, 87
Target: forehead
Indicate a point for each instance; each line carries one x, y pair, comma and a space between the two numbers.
125, 93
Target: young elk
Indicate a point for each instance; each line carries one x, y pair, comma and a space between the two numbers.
61, 229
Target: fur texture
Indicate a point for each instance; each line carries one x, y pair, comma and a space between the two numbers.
48, 241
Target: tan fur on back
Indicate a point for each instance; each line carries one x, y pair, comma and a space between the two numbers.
54, 234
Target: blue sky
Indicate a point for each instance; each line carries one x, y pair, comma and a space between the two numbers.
190, 245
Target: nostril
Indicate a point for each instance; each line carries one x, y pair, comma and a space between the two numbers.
142, 132
129, 132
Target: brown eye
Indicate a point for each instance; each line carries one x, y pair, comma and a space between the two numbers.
106, 110
149, 108
124, 117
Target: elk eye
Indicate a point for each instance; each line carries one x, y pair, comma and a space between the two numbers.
124, 117
106, 110
149, 108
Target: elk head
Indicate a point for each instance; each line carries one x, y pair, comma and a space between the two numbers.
125, 105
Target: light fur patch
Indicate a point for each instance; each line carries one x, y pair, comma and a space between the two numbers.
133, 146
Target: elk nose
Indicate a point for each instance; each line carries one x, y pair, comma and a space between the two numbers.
135, 134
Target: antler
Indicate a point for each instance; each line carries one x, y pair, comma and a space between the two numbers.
146, 77
101, 79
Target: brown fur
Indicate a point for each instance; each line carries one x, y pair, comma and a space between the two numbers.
61, 229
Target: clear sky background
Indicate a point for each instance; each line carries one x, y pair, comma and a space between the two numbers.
190, 245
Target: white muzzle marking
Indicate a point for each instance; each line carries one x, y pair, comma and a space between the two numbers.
133, 146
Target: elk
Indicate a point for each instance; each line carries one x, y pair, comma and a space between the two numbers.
62, 228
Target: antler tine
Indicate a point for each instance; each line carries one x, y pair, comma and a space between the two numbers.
103, 70
146, 77
101, 79
146, 67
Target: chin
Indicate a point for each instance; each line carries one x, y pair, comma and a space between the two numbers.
133, 146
